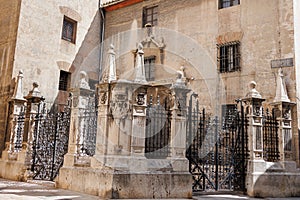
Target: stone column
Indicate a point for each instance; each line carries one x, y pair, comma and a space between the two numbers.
34, 99
103, 120
17, 106
254, 113
253, 110
285, 138
139, 124
178, 124
283, 108
80, 102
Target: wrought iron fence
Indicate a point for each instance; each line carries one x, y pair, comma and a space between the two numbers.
217, 150
158, 127
270, 137
51, 134
19, 130
88, 127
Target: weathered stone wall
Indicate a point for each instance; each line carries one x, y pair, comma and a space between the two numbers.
9, 17
265, 30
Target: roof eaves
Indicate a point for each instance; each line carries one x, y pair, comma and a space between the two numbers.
106, 3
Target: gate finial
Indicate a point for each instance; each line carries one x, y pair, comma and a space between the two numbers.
18, 93
139, 67
112, 64
281, 93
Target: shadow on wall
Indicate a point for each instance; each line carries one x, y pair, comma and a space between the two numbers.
88, 56
87, 59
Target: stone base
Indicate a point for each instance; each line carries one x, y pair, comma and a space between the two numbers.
126, 177
268, 179
12, 170
110, 184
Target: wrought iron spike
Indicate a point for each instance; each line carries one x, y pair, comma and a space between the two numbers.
151, 100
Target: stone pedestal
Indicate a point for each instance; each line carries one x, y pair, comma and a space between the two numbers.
269, 179
16, 160
119, 168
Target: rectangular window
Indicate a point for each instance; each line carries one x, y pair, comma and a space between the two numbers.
64, 80
229, 57
150, 68
69, 30
150, 15
228, 3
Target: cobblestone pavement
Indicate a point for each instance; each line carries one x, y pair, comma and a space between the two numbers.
12, 190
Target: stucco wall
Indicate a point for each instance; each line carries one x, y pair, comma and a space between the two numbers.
40, 51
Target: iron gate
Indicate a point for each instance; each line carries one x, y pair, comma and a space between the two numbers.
217, 150
158, 127
51, 134
270, 137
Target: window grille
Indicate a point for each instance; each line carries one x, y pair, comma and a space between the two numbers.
229, 57
150, 15
228, 3
64, 80
150, 68
69, 30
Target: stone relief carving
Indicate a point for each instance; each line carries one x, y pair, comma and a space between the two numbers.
103, 97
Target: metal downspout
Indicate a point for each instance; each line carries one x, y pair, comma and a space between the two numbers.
102, 27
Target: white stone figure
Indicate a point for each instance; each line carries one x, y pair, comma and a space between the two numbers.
180, 79
281, 93
139, 66
18, 92
112, 76
253, 92
84, 80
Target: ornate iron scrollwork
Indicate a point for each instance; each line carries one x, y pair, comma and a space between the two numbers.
51, 135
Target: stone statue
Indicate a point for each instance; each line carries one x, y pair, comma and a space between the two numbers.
281, 92
83, 82
253, 92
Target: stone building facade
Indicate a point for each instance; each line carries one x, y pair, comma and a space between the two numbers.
263, 32
134, 70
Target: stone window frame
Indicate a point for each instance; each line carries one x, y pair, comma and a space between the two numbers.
149, 63
228, 3
69, 25
64, 80
150, 15
229, 57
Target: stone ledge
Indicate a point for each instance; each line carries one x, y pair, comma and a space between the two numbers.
110, 184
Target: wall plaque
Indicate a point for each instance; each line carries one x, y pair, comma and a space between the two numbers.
287, 62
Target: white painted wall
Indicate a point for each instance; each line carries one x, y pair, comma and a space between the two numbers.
40, 51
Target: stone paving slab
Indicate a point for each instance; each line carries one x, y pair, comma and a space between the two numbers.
13, 190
